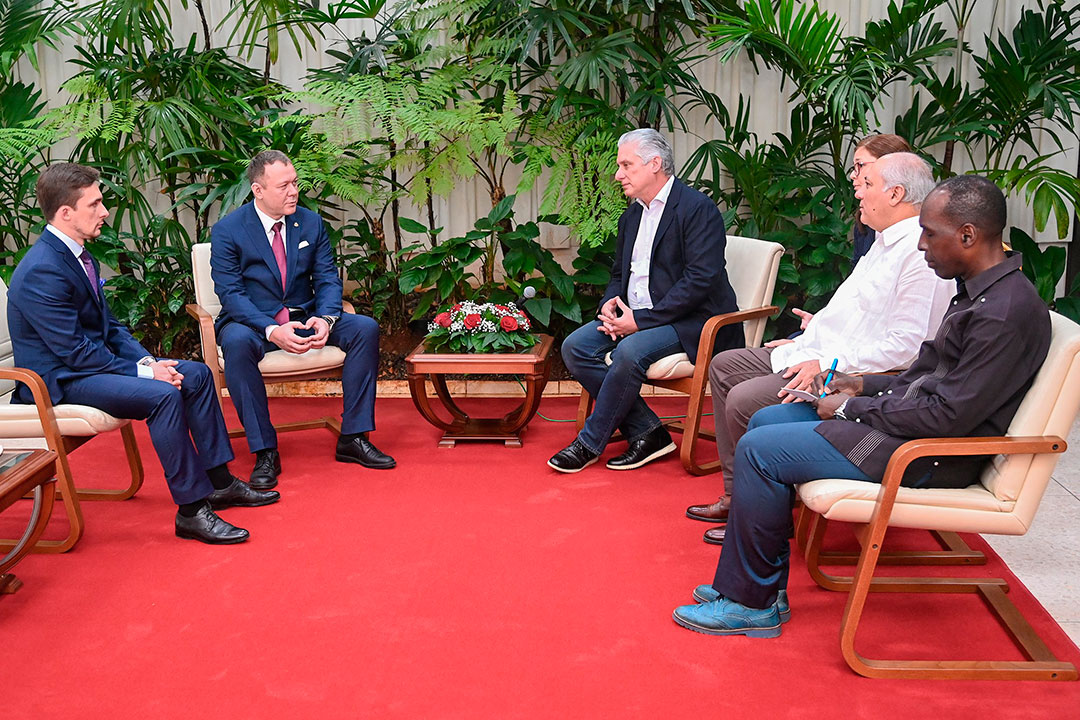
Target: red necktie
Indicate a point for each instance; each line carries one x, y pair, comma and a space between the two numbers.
278, 246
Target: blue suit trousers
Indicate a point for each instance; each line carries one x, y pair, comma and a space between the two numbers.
186, 425
243, 348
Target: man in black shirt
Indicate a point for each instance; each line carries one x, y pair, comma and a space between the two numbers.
968, 381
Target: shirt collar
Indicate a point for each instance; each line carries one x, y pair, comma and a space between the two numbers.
892, 234
661, 196
979, 284
266, 220
75, 248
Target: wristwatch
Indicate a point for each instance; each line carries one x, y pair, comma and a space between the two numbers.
839, 411
330, 320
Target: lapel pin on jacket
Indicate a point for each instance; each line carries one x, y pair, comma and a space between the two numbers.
295, 224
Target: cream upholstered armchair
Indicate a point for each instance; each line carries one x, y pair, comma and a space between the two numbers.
1003, 502
61, 428
278, 365
752, 266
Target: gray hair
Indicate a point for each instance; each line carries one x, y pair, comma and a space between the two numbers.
651, 144
258, 164
909, 171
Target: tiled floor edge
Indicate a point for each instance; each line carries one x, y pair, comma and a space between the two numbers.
460, 388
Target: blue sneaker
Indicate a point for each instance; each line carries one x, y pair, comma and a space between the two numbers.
727, 617
706, 594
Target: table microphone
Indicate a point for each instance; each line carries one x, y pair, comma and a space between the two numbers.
527, 293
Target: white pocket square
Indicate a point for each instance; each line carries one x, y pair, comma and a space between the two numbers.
302, 245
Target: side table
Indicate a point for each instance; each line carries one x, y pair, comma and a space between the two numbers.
534, 365
20, 473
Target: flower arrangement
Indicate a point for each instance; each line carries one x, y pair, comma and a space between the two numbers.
480, 327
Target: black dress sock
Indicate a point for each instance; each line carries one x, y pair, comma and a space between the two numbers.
220, 477
189, 509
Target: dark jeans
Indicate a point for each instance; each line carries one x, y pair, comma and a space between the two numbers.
779, 450
616, 388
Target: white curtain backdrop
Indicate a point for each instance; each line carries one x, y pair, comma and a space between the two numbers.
769, 113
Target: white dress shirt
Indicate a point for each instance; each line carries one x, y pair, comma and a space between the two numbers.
878, 318
268, 224
77, 250
638, 295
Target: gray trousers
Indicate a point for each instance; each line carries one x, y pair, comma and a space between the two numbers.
742, 383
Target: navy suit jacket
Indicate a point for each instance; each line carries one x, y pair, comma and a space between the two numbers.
246, 276
61, 326
688, 279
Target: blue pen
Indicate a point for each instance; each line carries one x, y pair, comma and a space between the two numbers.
828, 378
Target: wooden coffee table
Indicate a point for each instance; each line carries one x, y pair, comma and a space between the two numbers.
28, 470
533, 365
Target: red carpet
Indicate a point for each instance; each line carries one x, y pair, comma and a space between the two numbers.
468, 583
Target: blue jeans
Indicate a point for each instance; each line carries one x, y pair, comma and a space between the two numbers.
616, 388
779, 450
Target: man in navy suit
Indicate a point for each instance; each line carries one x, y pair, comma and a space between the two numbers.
274, 272
62, 329
667, 280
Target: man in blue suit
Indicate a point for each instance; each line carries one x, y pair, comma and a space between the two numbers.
62, 329
274, 272
668, 278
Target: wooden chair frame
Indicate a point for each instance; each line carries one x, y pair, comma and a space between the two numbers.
1042, 663
695, 387
62, 445
208, 343
14, 488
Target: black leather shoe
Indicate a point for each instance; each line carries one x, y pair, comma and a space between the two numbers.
715, 536
715, 513
267, 469
361, 450
240, 494
575, 457
207, 527
644, 450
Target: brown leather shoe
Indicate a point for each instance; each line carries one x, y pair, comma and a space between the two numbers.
715, 536
715, 513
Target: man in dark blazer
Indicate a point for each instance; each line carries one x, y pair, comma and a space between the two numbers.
62, 329
274, 272
667, 280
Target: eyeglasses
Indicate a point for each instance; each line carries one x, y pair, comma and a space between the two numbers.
856, 169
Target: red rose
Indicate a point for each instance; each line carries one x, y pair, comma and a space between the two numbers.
456, 308
508, 324
443, 319
472, 320
502, 308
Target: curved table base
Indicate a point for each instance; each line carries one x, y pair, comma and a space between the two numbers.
461, 426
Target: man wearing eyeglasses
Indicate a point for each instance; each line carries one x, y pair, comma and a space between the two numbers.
874, 322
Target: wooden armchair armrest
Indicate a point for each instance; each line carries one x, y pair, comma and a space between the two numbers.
348, 307
713, 325
207, 336
41, 400
915, 449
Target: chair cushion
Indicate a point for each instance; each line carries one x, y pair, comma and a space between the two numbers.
970, 509
21, 421
669, 367
279, 362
